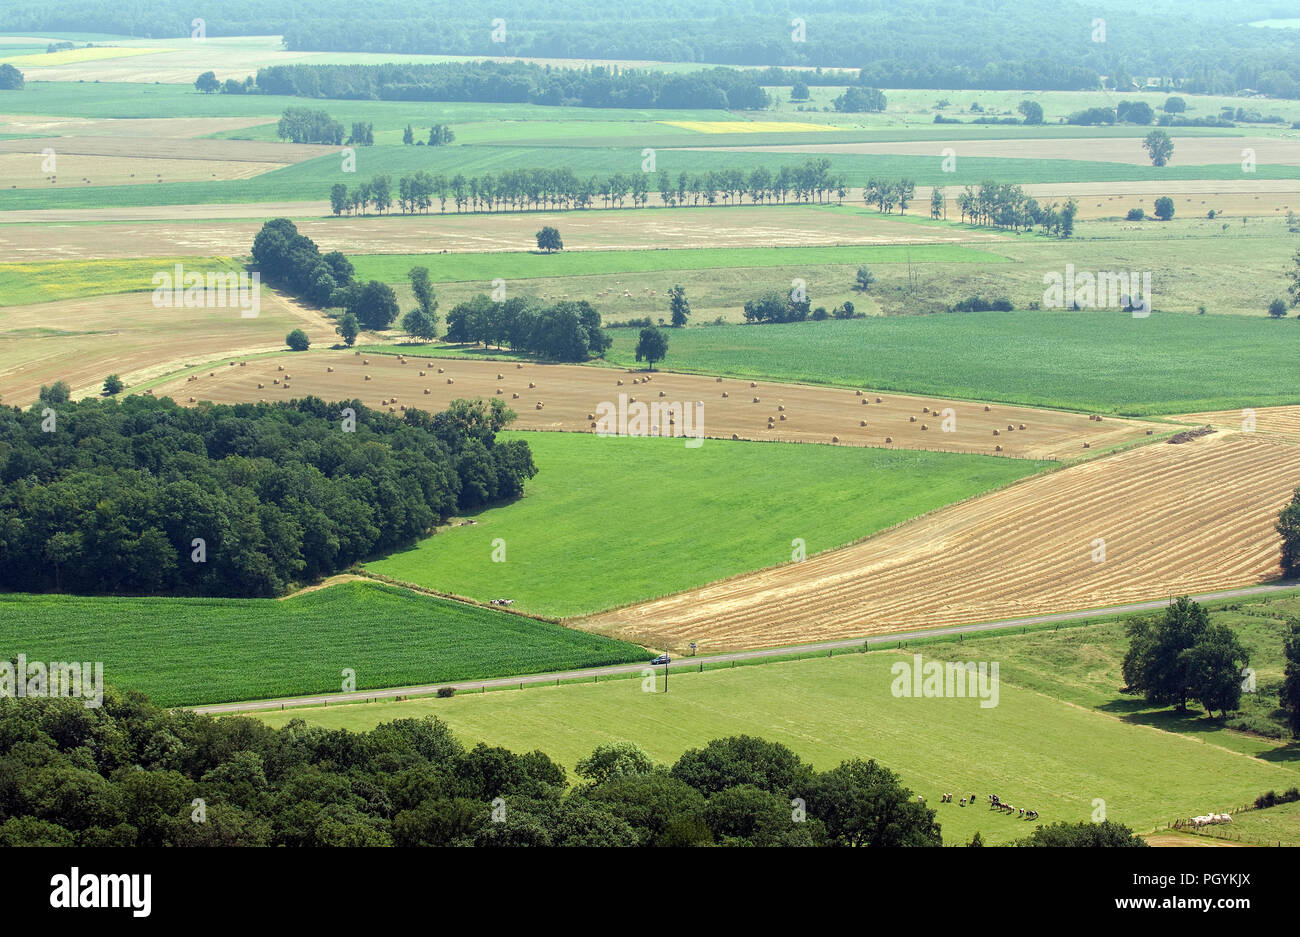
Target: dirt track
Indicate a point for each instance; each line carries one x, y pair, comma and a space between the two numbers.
1175, 519
570, 393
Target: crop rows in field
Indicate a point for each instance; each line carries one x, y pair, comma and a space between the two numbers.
1168, 519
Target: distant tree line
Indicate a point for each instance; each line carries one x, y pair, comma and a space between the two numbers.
304, 125
148, 497
1207, 47
519, 83
561, 189
564, 331
1004, 205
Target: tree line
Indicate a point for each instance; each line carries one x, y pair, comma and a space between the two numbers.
148, 497
1004, 205
519, 83
560, 189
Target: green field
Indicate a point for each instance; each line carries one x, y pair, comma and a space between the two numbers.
1278, 825
1103, 361
191, 651
608, 521
1030, 749
48, 281
447, 268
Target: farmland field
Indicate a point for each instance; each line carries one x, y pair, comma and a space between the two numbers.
704, 514
1118, 529
189, 651
566, 398
1053, 756
1099, 361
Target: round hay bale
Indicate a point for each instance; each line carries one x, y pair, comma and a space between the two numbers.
889, 439
232, 364
755, 400
925, 409
862, 422
539, 405
357, 353
501, 377
1087, 445
500, 391
752, 384
421, 374
911, 419
835, 439
451, 381
329, 370
734, 436
519, 367
279, 367
1022, 425
1149, 432
365, 360
997, 432
514, 396
275, 380
780, 406
531, 385
1010, 428
367, 377
997, 448
212, 374
427, 391
593, 424
724, 393
864, 401
987, 408
591, 416
392, 409
923, 426
661, 393
782, 417
718, 379
878, 400
191, 400
858, 393
260, 385
440, 370
620, 383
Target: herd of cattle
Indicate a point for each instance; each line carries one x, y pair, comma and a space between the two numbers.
995, 803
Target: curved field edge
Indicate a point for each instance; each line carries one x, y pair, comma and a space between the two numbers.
613, 521
187, 651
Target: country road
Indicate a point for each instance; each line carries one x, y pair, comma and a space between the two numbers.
695, 662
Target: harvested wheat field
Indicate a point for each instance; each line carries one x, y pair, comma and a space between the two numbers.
29, 170
194, 230
1270, 421
1175, 519
569, 397
82, 341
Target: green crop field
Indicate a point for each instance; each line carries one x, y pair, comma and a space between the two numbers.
608, 521
1103, 361
446, 268
190, 651
48, 281
1030, 749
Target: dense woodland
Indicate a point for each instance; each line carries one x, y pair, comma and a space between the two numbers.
111, 497
518, 83
1048, 44
131, 774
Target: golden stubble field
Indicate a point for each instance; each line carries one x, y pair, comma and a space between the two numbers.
82, 341
570, 397
1174, 519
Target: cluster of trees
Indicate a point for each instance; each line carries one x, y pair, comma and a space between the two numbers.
148, 497
560, 189
564, 331
778, 306
1288, 522
856, 100
304, 125
292, 261
885, 194
132, 774
1004, 205
1181, 656
11, 79
208, 84
519, 82
439, 135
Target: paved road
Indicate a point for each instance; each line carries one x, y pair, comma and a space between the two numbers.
695, 662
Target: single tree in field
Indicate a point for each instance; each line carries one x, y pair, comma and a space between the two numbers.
422, 287
1214, 669
1175, 105
1159, 147
408, 135
1156, 664
548, 239
1277, 308
297, 340
348, 328
113, 385
865, 279
799, 92
1032, 111
1289, 696
1288, 525
681, 307
938, 203
1164, 208
652, 346
207, 82
420, 325
338, 198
